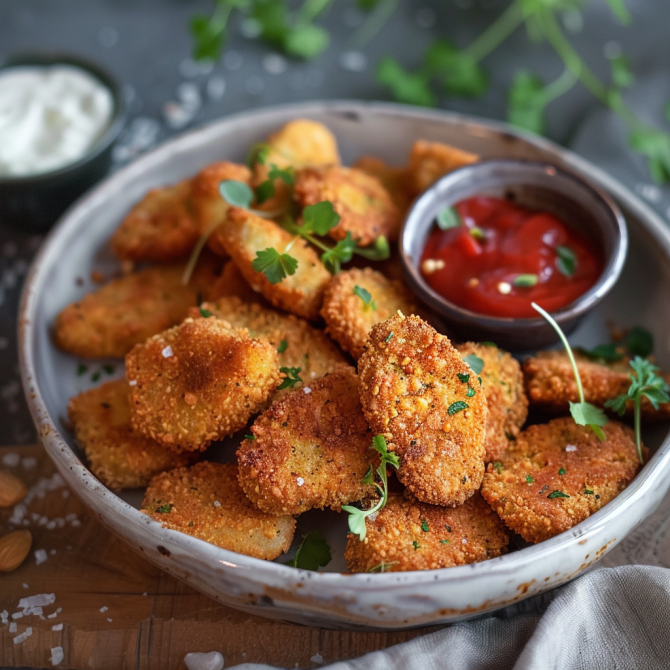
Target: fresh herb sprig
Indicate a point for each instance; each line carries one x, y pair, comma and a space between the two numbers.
583, 413
357, 516
366, 297
645, 383
312, 553
291, 379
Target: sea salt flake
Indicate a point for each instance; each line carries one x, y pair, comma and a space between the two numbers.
21, 637
57, 626
110, 620
167, 352
300, 481
12, 627
40, 554
464, 541
39, 600
17, 615
132, 382
307, 390
57, 655
25, 586
571, 447
317, 658
212, 660
217, 503
104, 609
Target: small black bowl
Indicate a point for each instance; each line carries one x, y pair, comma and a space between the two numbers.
537, 185
34, 202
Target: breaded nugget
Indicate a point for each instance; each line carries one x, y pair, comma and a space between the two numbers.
412, 391
364, 205
396, 181
297, 343
409, 535
505, 396
244, 233
550, 383
349, 319
162, 227
199, 382
109, 322
207, 502
232, 284
557, 474
118, 457
428, 161
311, 449
209, 206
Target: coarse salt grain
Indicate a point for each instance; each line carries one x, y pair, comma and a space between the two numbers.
12, 627
110, 620
317, 658
57, 626
300, 481
217, 503
40, 556
25, 586
167, 352
464, 541
104, 609
132, 382
307, 390
571, 447
22, 636
504, 287
204, 661
57, 655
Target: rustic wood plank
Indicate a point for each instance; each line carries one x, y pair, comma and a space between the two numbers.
155, 619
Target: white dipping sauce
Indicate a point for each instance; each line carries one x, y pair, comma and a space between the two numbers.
49, 116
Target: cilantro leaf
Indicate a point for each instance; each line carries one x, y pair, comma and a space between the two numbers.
412, 88
208, 38
476, 364
259, 154
306, 41
273, 265
526, 103
640, 342
205, 313
319, 219
365, 296
618, 404
655, 145
312, 553
285, 174
458, 71
342, 252
291, 379
272, 19
448, 218
566, 260
81, 369
236, 193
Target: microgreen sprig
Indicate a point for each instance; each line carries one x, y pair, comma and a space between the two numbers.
584, 413
645, 383
291, 379
365, 296
312, 553
357, 516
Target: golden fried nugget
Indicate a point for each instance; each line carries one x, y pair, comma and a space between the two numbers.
199, 382
207, 502
209, 206
505, 396
310, 449
244, 233
428, 161
109, 322
232, 284
411, 392
557, 474
162, 227
396, 181
409, 535
364, 205
349, 319
118, 457
551, 386
298, 344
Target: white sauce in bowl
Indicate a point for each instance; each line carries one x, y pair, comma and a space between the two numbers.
49, 116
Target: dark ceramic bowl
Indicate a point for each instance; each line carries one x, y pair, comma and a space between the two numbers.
34, 202
536, 185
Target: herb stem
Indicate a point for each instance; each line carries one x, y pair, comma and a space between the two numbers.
496, 33
376, 20
559, 86
309, 10
638, 436
312, 240
197, 250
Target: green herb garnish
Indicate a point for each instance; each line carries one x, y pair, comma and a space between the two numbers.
470, 392
566, 260
251, 438
292, 378
604, 352
557, 494
388, 337
365, 296
81, 369
164, 509
588, 492
424, 526
583, 413
357, 516
205, 313
497, 466
476, 364
273, 265
457, 406
561, 471
525, 281
448, 218
444, 541
640, 342
529, 479
312, 553
95, 377
381, 567
463, 378
236, 193
416, 544
283, 345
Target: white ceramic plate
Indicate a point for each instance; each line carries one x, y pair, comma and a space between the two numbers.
392, 600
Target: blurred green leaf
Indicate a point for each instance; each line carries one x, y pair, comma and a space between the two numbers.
460, 73
526, 102
655, 145
306, 41
622, 75
409, 87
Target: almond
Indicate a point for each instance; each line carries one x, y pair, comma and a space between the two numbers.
12, 490
13, 549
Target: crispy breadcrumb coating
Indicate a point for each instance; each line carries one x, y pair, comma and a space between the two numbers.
311, 449
118, 457
298, 344
207, 502
409, 535
364, 205
208, 205
551, 386
109, 322
244, 233
232, 284
428, 161
557, 474
505, 396
161, 228
436, 423
199, 382
349, 319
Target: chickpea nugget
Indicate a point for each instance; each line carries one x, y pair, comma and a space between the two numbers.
428, 161
364, 205
349, 314
297, 343
118, 457
199, 382
557, 474
109, 322
550, 384
162, 227
310, 449
502, 382
243, 233
412, 391
207, 502
409, 535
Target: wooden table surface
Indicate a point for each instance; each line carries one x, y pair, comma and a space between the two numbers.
152, 620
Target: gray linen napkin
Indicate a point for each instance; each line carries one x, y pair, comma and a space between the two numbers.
612, 617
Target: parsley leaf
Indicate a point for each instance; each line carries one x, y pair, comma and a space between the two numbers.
273, 265
640, 342
259, 154
208, 38
457, 70
526, 103
251, 438
365, 296
319, 219
164, 509
529, 479
476, 364
409, 87
312, 553
236, 193
497, 466
448, 217
342, 252
655, 145
464, 379
379, 250
292, 378
264, 191
566, 260
81, 370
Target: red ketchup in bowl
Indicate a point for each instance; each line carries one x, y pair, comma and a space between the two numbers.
494, 257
